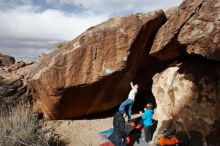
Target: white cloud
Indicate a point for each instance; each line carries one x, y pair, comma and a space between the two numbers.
25, 53
26, 49
15, 2
24, 22
27, 28
119, 7
48, 25
24, 33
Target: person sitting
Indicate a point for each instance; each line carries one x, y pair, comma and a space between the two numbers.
130, 100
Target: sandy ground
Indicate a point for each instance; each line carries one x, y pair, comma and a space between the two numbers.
80, 132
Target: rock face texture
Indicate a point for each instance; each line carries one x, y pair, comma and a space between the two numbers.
91, 74
6, 60
194, 27
188, 101
201, 33
13, 82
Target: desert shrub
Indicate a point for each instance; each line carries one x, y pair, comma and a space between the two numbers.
61, 44
20, 128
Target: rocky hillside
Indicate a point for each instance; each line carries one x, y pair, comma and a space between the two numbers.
13, 82
179, 49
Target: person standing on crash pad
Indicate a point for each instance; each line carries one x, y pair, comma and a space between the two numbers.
118, 137
130, 100
148, 122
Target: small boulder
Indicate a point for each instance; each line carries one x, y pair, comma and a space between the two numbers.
6, 60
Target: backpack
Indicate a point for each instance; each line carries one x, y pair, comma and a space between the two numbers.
172, 141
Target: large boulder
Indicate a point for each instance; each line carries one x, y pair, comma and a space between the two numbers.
188, 101
192, 28
91, 74
6, 60
201, 33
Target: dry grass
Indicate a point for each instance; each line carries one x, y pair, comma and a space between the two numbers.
20, 128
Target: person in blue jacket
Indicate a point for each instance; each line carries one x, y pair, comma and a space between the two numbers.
148, 122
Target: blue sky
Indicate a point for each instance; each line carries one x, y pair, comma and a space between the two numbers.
31, 27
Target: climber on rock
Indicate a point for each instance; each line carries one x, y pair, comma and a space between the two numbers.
130, 100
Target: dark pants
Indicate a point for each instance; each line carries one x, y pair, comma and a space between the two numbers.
148, 133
